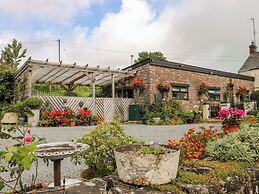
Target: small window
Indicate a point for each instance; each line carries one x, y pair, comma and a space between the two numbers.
214, 93
180, 91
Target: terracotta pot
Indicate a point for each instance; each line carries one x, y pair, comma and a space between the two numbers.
72, 124
230, 128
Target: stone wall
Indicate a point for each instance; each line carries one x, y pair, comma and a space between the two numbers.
153, 75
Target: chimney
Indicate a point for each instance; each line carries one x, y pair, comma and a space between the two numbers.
252, 48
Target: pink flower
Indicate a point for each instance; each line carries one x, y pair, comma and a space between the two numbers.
223, 113
27, 139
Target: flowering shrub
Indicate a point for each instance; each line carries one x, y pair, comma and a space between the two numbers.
203, 89
242, 90
163, 86
231, 116
57, 118
249, 119
193, 143
16, 158
137, 83
85, 117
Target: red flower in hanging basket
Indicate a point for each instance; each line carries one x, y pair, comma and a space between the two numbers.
242, 90
163, 86
137, 83
203, 89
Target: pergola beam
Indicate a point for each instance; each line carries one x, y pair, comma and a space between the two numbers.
67, 78
86, 69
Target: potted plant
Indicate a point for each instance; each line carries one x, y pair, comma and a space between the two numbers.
146, 164
156, 117
231, 119
34, 104
72, 122
163, 87
138, 86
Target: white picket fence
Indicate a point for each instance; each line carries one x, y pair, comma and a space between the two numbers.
105, 107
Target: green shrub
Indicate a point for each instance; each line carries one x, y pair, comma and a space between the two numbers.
6, 84
156, 150
241, 146
166, 111
255, 96
33, 103
252, 112
102, 140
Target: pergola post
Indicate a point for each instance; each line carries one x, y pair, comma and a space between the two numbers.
93, 92
113, 87
29, 82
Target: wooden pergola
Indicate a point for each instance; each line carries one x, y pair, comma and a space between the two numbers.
69, 76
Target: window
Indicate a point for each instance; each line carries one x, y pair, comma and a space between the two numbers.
180, 91
214, 93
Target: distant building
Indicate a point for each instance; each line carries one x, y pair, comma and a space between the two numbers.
251, 65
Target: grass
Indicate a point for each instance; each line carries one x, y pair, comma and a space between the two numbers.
221, 170
56, 90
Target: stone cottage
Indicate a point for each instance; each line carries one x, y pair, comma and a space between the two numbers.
184, 82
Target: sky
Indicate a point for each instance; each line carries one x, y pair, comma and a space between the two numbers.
206, 33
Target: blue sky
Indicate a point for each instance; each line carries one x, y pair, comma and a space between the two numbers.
210, 33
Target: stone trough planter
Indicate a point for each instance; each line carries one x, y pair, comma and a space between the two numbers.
147, 169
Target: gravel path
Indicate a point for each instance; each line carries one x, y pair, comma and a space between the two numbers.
69, 170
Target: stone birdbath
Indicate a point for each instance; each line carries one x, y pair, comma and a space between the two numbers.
56, 152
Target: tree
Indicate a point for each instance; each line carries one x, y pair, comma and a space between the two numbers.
13, 53
152, 55
6, 84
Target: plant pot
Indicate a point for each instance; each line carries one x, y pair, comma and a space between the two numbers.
72, 124
156, 119
189, 121
146, 169
10, 118
34, 121
197, 116
230, 128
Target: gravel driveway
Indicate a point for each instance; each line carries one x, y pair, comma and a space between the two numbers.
69, 170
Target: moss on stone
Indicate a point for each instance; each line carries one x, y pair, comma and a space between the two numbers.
220, 171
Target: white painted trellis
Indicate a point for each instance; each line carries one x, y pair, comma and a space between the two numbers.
105, 107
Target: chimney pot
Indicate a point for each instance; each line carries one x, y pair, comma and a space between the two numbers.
252, 48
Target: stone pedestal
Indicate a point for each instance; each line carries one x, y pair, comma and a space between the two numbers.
205, 111
34, 121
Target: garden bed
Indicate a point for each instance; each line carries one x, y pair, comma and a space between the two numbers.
227, 177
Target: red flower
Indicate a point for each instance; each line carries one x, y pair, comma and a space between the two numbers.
58, 119
27, 139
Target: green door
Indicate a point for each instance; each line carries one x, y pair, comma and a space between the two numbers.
135, 112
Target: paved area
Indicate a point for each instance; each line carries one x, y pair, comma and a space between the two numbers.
69, 170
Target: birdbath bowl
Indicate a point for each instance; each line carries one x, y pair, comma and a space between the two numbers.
57, 152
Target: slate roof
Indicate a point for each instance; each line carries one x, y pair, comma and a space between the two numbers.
252, 62
191, 68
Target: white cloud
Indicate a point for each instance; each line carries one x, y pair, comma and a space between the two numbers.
55, 10
213, 34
